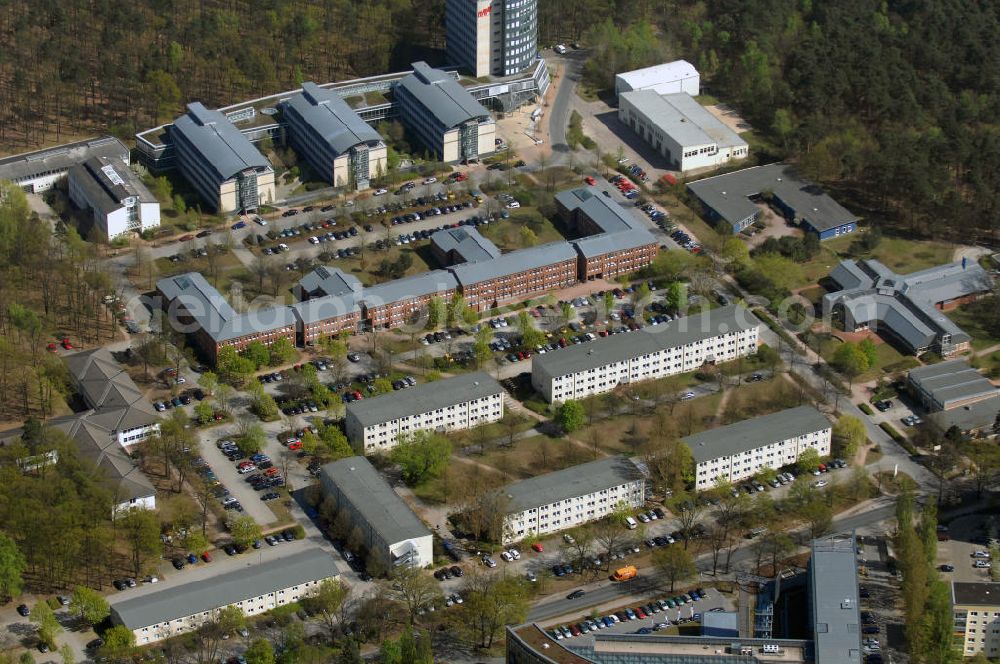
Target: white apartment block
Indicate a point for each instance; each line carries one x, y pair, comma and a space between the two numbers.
375, 425
254, 590
741, 450
566, 498
976, 613
118, 200
653, 352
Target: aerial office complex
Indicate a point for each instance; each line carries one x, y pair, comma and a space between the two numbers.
118, 200
462, 402
615, 242
212, 323
732, 199
569, 497
37, 171
393, 303
462, 245
829, 612
391, 531
652, 352
663, 79
488, 284
739, 451
444, 116
226, 170
492, 37
342, 148
254, 589
906, 307
680, 129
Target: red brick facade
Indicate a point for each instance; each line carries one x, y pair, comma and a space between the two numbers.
486, 294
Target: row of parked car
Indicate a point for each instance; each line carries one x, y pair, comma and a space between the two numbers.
641, 612
626, 186
182, 399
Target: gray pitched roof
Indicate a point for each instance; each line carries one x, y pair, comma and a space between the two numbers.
753, 433
729, 194
978, 415
216, 592
324, 307
60, 158
514, 262
604, 243
215, 316
423, 398
372, 497
906, 303
620, 230
466, 243
418, 285
332, 118
835, 613
569, 483
648, 340
952, 381
221, 145
682, 118
108, 182
442, 96
117, 403
329, 281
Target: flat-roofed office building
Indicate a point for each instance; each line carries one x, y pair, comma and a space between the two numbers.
739, 451
462, 402
342, 148
685, 344
444, 116
223, 166
117, 199
37, 171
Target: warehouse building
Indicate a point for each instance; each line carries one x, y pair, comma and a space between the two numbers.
392, 532
616, 242
517, 274
739, 451
118, 200
575, 372
444, 116
955, 394
546, 504
336, 142
492, 37
680, 129
733, 199
976, 612
462, 245
394, 303
226, 170
463, 402
664, 79
198, 310
906, 308
254, 589
37, 171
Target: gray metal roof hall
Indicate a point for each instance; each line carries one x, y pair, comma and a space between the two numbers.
579, 480
423, 398
220, 145
951, 383
330, 118
215, 592
442, 96
384, 512
833, 585
756, 432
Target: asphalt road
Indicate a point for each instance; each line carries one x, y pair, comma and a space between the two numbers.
559, 112
606, 591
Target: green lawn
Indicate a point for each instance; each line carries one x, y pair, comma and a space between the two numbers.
887, 359
507, 234
900, 254
966, 319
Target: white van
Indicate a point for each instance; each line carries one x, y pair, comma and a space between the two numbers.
630, 523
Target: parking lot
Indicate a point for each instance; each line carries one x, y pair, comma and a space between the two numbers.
229, 477
967, 536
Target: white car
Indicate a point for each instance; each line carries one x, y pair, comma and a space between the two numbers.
515, 554
513, 204
314, 240
981, 564
687, 395
506, 557
568, 538
348, 203
981, 554
820, 484
260, 221
559, 48
282, 247
430, 180
380, 192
